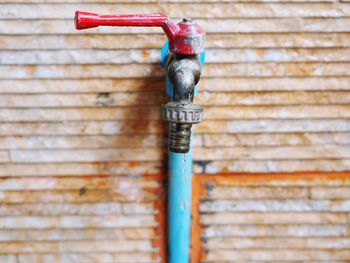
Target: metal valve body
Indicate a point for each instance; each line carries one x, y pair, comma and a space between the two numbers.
184, 73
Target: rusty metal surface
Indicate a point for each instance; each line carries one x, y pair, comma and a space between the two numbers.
183, 73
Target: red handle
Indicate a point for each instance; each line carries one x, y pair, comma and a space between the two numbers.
185, 38
84, 20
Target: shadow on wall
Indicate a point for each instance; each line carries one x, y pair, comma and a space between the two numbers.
142, 134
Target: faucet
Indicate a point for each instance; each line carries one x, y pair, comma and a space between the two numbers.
183, 72
182, 57
183, 67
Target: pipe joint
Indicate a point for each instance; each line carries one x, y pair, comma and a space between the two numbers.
184, 73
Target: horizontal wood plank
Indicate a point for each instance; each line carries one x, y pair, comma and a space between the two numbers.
274, 153
151, 41
122, 257
272, 166
277, 231
75, 183
229, 140
277, 255
104, 155
280, 243
76, 234
80, 169
269, 218
155, 98
293, 69
154, 113
28, 222
133, 86
81, 209
100, 246
152, 56
204, 154
150, 127
276, 206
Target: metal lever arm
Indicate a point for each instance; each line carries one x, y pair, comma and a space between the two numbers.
84, 20
185, 38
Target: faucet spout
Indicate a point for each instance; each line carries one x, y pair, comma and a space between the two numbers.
184, 73
184, 83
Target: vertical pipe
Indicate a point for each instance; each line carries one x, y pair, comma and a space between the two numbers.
179, 195
179, 206
179, 192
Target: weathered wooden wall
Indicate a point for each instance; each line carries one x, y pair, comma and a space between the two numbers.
81, 219
275, 87
279, 218
80, 124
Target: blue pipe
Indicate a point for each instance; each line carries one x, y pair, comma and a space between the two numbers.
179, 192
179, 206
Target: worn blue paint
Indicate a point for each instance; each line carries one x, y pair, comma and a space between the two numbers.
179, 192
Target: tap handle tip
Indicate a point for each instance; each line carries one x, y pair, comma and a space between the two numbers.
84, 20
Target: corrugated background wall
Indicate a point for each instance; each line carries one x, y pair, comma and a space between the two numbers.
272, 218
275, 87
80, 127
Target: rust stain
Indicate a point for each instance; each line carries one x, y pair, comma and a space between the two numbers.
133, 164
103, 184
145, 54
198, 191
31, 69
156, 177
246, 178
160, 240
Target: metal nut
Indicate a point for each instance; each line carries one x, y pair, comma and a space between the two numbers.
179, 112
